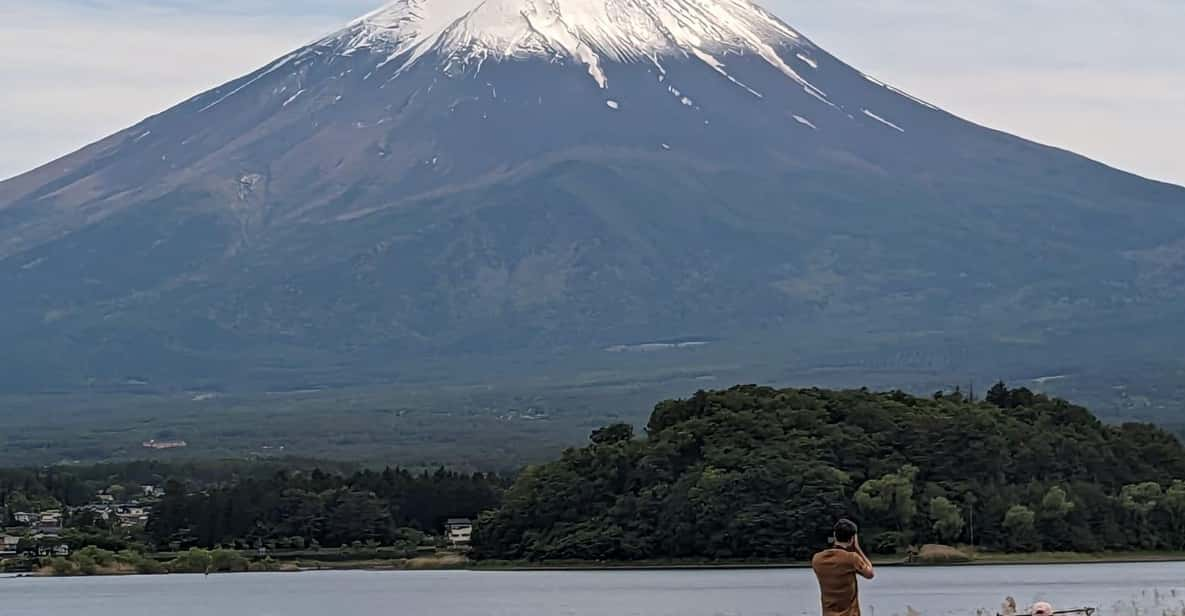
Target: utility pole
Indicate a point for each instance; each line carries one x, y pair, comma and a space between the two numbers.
970, 500
972, 517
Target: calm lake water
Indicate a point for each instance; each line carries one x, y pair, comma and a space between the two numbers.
1155, 589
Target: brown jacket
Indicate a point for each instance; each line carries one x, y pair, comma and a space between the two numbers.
836, 570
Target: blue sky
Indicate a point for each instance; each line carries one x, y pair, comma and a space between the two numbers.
1100, 77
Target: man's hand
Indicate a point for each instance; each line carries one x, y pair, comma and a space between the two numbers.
863, 564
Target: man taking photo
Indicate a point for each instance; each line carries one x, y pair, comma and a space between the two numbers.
837, 568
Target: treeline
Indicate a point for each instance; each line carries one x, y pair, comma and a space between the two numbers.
299, 509
290, 503
37, 489
92, 560
756, 472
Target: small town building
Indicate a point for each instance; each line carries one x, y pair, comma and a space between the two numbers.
60, 549
50, 519
155, 444
459, 530
8, 544
131, 515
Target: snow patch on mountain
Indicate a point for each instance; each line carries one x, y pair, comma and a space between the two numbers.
591, 32
883, 121
277, 65
292, 98
898, 91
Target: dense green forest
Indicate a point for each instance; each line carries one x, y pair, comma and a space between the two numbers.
756, 472
302, 509
747, 473
49, 487
293, 504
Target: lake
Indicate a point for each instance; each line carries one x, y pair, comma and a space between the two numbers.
1153, 588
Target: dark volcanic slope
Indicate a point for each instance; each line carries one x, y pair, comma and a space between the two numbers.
339, 213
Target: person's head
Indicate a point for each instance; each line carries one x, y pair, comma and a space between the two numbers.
845, 532
1042, 608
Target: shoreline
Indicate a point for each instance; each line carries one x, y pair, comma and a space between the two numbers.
994, 560
395, 566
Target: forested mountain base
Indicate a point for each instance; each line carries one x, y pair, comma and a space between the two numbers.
746, 473
756, 472
505, 423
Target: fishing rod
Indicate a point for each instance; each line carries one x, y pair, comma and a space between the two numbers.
1088, 611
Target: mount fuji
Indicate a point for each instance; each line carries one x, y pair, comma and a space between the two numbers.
461, 189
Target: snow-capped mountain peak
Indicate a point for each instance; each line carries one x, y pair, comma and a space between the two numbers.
592, 32
442, 188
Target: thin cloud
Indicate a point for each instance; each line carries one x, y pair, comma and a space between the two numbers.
1099, 77
76, 72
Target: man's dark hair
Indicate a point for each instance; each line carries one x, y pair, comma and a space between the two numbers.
845, 530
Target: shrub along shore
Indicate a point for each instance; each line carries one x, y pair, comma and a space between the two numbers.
91, 561
95, 562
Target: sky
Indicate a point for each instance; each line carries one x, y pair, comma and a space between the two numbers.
1100, 77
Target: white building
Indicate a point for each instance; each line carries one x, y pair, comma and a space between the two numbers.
50, 519
132, 515
8, 544
459, 530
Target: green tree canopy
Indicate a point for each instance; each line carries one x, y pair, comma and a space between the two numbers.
758, 472
948, 520
1056, 505
891, 494
1020, 523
